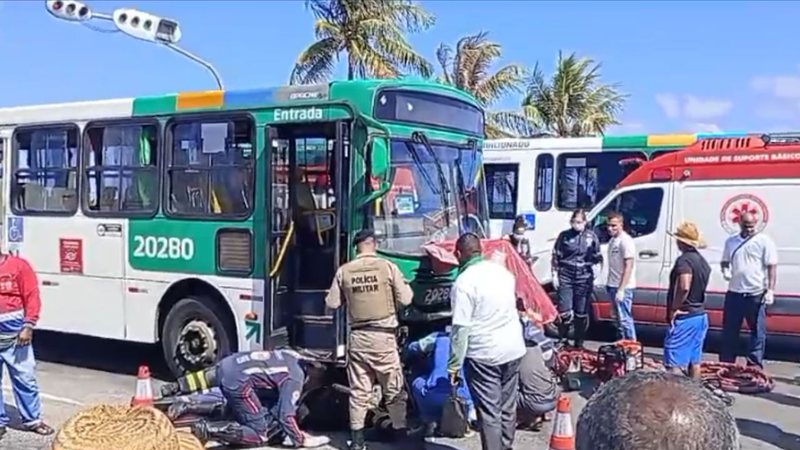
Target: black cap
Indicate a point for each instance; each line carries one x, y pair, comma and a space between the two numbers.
363, 235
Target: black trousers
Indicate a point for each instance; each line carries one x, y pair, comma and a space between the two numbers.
494, 391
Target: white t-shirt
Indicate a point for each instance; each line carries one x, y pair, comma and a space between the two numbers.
749, 264
484, 301
620, 248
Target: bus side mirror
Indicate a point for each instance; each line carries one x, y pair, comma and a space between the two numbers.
378, 158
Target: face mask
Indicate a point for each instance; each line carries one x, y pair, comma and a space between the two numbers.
579, 226
519, 231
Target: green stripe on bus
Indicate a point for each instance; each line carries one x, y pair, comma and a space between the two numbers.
635, 141
154, 106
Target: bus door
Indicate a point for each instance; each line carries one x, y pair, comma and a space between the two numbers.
308, 235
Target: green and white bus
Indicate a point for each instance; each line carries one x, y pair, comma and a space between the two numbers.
213, 222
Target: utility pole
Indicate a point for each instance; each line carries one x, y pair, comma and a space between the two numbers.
137, 24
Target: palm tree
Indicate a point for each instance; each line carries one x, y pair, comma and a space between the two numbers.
469, 68
372, 35
574, 101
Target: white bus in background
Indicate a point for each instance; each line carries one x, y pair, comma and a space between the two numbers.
545, 179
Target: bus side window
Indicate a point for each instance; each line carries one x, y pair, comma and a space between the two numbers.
210, 168
543, 195
501, 184
585, 178
45, 170
658, 153
641, 209
121, 169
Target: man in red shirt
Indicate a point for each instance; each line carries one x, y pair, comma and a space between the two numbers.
19, 311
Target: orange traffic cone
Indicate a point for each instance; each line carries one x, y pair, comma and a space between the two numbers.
563, 437
144, 388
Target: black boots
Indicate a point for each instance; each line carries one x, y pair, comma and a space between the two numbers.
182, 406
357, 441
227, 432
581, 327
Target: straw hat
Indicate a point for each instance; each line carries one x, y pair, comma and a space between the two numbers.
688, 233
106, 427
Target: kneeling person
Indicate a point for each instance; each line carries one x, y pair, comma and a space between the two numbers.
683, 345
244, 379
538, 389
431, 386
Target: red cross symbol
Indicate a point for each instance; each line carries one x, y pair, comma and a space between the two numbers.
744, 207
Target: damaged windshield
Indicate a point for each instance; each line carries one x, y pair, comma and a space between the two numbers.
436, 194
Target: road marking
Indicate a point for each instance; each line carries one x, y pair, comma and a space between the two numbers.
44, 396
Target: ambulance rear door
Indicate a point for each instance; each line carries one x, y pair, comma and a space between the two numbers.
716, 205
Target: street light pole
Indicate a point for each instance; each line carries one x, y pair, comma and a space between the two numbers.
140, 25
198, 60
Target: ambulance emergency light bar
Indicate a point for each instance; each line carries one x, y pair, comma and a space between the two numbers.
147, 27
69, 10
791, 137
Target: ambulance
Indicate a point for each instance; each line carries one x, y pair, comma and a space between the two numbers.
711, 183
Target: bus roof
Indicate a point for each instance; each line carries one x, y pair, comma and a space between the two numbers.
214, 100
611, 143
750, 157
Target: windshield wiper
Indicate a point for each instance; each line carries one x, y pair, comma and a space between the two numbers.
421, 166
472, 145
421, 138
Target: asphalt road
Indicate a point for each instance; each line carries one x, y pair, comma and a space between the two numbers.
75, 372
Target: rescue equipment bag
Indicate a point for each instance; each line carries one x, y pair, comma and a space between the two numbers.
454, 422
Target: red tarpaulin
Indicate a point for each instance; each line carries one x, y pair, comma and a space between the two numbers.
529, 290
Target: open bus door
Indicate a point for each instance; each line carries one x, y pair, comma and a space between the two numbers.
307, 236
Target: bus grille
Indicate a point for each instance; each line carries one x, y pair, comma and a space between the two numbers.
234, 251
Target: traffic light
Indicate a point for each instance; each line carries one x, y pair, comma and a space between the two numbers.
147, 27
69, 10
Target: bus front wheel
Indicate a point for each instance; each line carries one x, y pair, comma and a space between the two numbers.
194, 335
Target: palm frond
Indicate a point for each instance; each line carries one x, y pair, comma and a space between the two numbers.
316, 63
505, 81
444, 55
396, 49
573, 101
372, 33
470, 67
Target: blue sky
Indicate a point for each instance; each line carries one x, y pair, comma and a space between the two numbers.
688, 66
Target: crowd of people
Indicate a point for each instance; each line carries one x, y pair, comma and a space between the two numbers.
495, 361
493, 357
749, 264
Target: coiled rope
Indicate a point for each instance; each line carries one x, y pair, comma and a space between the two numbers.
106, 427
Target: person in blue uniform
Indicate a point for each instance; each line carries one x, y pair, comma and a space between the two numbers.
575, 252
245, 379
431, 386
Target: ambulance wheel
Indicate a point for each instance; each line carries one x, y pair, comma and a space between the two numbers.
194, 335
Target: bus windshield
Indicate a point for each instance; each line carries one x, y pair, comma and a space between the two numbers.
430, 202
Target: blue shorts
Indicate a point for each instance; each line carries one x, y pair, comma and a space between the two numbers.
684, 342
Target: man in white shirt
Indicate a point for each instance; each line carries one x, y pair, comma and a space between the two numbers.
487, 340
749, 263
621, 275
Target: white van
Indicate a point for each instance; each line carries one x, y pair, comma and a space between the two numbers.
545, 179
710, 183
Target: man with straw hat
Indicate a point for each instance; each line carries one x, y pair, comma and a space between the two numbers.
686, 315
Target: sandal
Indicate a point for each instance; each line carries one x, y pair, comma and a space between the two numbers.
41, 429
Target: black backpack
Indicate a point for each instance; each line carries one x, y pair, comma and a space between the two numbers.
454, 422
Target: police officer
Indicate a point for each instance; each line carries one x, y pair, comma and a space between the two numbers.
575, 252
244, 379
371, 287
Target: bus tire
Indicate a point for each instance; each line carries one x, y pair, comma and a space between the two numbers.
194, 335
